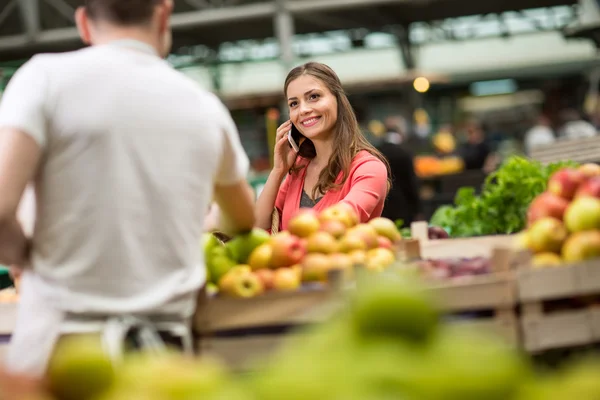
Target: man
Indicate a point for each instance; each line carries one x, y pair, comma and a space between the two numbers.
540, 134
125, 154
403, 201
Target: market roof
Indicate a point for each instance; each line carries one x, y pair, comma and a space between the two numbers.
30, 26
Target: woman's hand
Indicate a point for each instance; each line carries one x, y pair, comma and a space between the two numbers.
284, 154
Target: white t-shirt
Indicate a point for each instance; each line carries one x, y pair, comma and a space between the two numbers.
131, 151
538, 136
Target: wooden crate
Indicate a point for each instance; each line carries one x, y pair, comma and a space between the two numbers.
544, 330
242, 331
494, 292
582, 150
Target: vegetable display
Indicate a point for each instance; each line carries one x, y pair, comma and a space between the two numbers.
501, 207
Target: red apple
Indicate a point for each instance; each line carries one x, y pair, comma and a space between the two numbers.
286, 280
321, 242
565, 182
266, 276
304, 223
546, 205
591, 187
589, 169
287, 250
384, 242
334, 228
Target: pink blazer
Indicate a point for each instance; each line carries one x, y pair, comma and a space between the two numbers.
365, 190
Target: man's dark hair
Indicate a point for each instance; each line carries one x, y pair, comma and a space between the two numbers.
121, 12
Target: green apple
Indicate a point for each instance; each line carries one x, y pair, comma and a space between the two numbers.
79, 368
387, 306
218, 263
241, 246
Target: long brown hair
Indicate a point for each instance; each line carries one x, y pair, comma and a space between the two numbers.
349, 139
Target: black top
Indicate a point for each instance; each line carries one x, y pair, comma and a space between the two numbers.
474, 155
307, 202
403, 201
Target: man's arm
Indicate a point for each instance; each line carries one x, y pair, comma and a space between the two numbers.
236, 208
19, 158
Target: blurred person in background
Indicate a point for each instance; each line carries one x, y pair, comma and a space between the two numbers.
125, 154
403, 200
475, 151
540, 134
335, 162
574, 126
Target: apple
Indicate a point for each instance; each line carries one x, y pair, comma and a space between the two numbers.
542, 260
261, 256
241, 282
334, 228
287, 251
546, 205
266, 277
359, 257
380, 258
304, 223
218, 263
350, 243
354, 218
367, 233
582, 246
321, 242
340, 213
241, 246
386, 228
583, 214
590, 187
521, 241
209, 242
589, 170
565, 182
341, 261
315, 267
80, 369
384, 242
286, 280
546, 235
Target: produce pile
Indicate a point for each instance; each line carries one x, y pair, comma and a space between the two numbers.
564, 221
388, 343
314, 244
454, 268
501, 208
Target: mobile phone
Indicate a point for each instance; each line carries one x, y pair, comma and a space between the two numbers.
295, 138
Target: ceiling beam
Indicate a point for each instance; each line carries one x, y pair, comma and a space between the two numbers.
30, 13
7, 10
63, 8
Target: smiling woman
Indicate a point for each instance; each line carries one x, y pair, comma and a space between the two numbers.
334, 161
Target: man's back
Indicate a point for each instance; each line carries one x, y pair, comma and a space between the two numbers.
132, 150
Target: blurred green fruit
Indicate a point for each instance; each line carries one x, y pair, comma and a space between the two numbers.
241, 246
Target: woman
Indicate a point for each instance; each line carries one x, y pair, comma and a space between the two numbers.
334, 163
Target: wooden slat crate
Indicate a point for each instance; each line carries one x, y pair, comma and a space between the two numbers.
579, 150
576, 325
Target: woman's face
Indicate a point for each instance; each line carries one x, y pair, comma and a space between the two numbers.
313, 108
